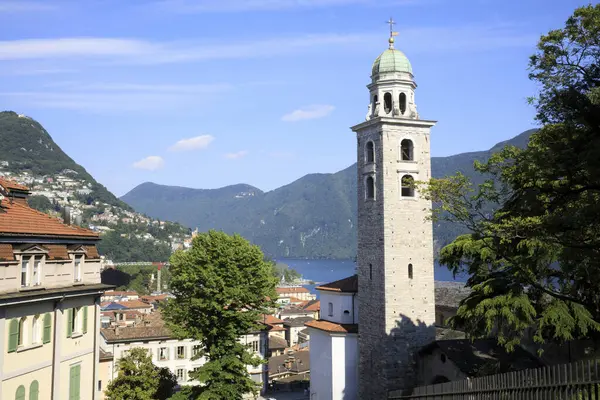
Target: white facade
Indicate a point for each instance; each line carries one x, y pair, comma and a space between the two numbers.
177, 355
334, 347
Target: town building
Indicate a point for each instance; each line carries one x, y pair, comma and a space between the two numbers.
285, 294
334, 342
176, 354
50, 293
293, 327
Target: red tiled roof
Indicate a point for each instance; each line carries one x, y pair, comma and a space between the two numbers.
313, 305
347, 285
92, 252
6, 252
286, 290
151, 299
275, 328
328, 326
57, 251
134, 304
19, 219
270, 319
12, 185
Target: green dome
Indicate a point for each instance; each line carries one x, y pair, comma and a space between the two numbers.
391, 60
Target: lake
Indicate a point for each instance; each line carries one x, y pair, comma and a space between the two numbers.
325, 271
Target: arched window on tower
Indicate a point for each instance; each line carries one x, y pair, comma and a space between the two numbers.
370, 189
387, 102
408, 189
402, 103
410, 271
370, 152
375, 100
406, 150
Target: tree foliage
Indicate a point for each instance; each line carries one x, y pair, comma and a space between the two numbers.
534, 259
139, 379
221, 285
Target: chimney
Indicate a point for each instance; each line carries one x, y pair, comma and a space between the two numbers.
117, 330
66, 214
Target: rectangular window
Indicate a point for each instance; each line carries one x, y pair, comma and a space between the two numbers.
180, 352
163, 353
75, 320
99, 386
37, 271
255, 346
330, 309
180, 373
35, 330
77, 268
25, 271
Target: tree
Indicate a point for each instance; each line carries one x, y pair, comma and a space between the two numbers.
222, 284
139, 379
534, 257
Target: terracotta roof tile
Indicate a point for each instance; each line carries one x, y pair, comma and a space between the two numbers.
57, 251
12, 185
270, 319
346, 285
328, 326
18, 219
92, 252
135, 333
313, 305
6, 252
291, 290
134, 304
276, 328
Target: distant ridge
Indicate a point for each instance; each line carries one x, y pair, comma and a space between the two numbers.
312, 217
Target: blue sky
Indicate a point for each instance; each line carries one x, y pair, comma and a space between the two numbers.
207, 93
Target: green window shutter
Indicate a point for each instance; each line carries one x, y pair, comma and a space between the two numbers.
74, 382
34, 390
13, 336
20, 393
85, 317
69, 322
47, 327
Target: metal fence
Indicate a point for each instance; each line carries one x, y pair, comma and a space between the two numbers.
576, 381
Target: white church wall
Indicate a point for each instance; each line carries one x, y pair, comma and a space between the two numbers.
321, 365
344, 307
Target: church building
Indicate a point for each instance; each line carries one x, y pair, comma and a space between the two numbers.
369, 345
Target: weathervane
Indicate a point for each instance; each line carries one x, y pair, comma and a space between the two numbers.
391, 23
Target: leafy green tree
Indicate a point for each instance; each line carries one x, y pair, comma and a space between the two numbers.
139, 379
40, 203
534, 259
221, 285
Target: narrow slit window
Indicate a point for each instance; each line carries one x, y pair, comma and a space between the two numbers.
330, 309
408, 186
402, 103
387, 102
410, 271
371, 271
407, 150
370, 182
370, 152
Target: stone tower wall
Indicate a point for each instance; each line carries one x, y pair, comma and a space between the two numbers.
396, 313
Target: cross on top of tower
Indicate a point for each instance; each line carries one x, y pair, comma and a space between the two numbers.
391, 23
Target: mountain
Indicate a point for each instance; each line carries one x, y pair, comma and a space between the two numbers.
26, 148
313, 217
29, 156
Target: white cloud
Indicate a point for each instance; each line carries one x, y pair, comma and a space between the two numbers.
236, 155
309, 112
195, 143
116, 97
24, 6
131, 51
202, 6
150, 163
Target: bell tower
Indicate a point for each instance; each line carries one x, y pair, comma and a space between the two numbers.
396, 304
